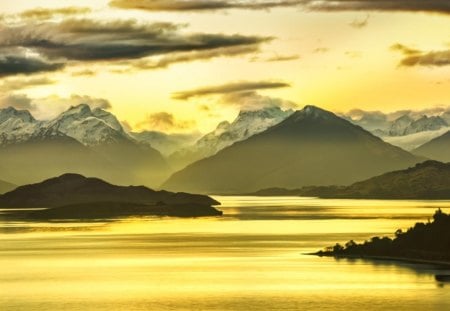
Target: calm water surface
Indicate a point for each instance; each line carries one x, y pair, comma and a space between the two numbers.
251, 259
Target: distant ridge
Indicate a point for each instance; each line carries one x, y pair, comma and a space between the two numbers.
427, 180
436, 149
311, 147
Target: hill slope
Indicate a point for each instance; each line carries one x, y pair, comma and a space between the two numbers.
6, 186
311, 147
436, 149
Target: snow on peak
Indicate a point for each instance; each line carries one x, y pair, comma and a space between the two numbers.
246, 124
12, 113
90, 127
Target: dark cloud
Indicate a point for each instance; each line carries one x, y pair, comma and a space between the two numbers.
91, 40
434, 6
164, 121
202, 5
229, 88
414, 57
18, 101
44, 13
54, 45
14, 65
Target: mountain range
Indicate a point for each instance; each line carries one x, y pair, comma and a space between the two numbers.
311, 147
407, 130
80, 140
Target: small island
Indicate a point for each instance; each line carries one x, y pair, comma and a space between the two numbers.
73, 196
423, 243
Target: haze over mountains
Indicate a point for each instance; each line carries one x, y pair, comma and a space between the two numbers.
80, 140
311, 147
261, 148
406, 129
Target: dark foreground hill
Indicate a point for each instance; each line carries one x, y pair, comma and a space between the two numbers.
75, 196
311, 147
423, 242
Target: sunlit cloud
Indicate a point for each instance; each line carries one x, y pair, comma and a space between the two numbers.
229, 88
414, 57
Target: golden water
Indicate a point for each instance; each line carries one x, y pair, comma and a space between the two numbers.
250, 259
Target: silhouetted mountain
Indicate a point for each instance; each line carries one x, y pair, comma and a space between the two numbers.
427, 180
73, 195
436, 149
425, 242
311, 147
6, 186
80, 140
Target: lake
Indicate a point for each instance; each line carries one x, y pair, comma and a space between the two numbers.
252, 258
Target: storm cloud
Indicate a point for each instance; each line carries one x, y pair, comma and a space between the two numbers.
435, 6
229, 88
86, 40
13, 65
201, 5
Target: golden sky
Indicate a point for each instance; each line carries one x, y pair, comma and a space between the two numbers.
141, 57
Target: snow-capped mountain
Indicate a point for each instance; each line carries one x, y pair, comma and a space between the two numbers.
90, 127
80, 140
16, 126
246, 124
425, 124
399, 126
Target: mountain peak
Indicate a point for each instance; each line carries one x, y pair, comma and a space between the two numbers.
313, 112
82, 109
11, 112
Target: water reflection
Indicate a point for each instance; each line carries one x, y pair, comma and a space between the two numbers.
251, 259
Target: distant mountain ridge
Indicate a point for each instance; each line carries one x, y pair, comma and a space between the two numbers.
311, 147
427, 180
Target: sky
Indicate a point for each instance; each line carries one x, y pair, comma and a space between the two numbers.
186, 65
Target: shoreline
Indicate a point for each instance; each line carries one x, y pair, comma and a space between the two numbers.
387, 258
